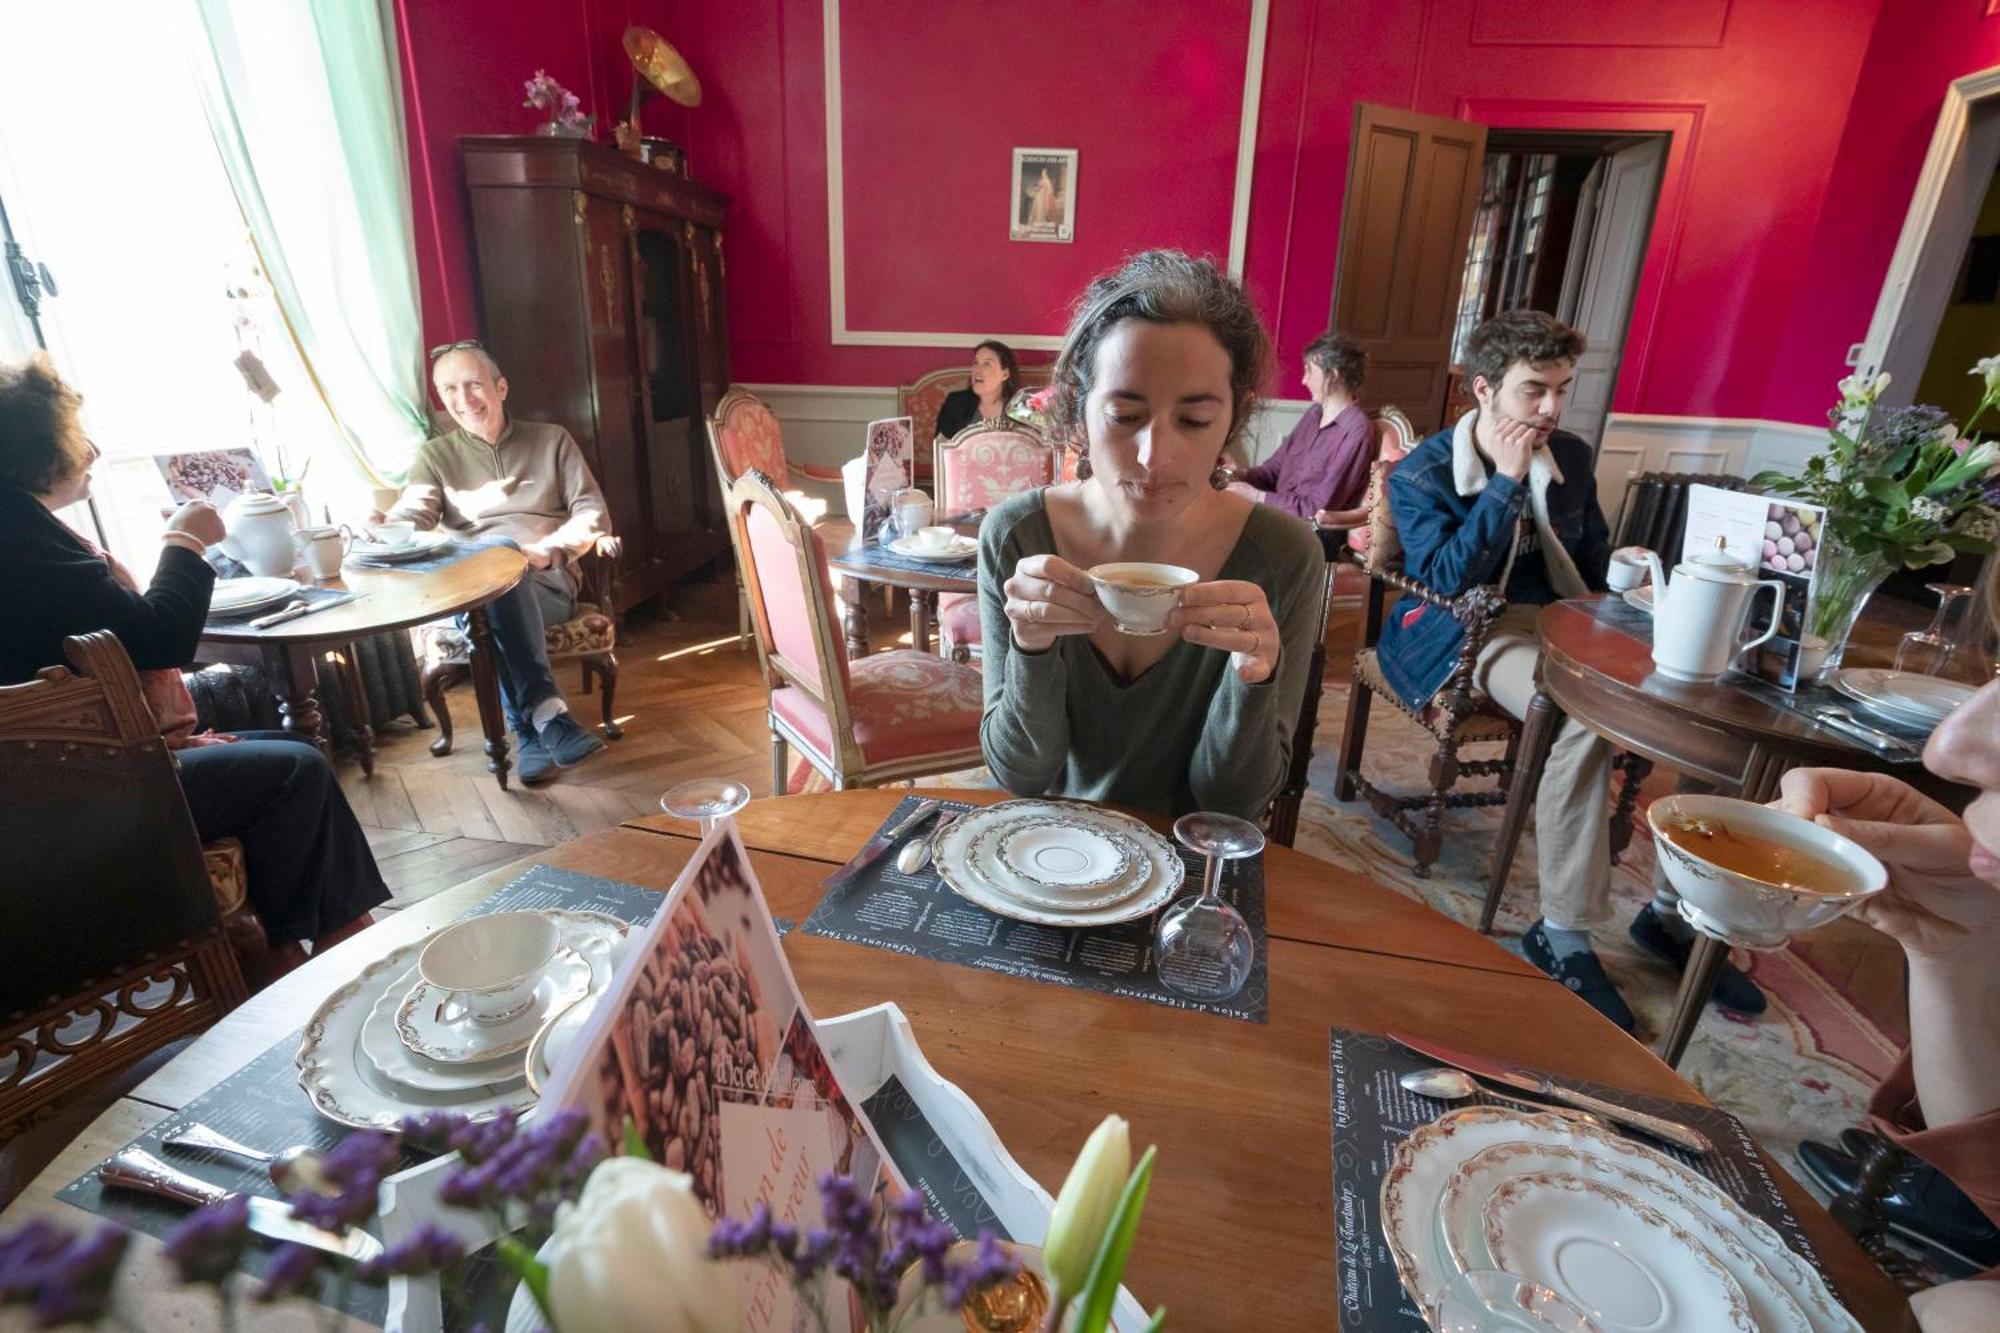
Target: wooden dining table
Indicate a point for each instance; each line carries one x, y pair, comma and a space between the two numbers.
865, 561
385, 599
1239, 1229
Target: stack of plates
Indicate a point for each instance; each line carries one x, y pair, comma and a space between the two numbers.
376, 1051
1632, 1238
1902, 696
247, 596
416, 548
960, 547
1056, 863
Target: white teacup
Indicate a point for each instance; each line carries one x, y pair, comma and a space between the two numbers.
1625, 572
489, 966
1140, 595
395, 534
935, 538
323, 549
1742, 908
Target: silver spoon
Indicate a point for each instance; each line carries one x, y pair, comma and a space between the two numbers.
917, 855
1455, 1085
294, 1169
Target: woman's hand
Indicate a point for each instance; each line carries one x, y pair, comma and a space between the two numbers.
1933, 906
1232, 615
1048, 597
198, 519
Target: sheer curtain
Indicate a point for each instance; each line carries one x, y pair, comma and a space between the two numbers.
306, 110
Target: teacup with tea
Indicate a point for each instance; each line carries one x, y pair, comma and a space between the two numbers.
1140, 595
1754, 875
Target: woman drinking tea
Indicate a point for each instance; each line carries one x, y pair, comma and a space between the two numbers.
1155, 381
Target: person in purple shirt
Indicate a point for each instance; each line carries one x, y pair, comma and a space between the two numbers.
1323, 463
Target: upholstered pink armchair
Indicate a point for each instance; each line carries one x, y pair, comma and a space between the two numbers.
886, 717
977, 469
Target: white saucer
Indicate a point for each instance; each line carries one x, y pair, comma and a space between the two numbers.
960, 547
1640, 598
416, 548
241, 597
464, 1042
385, 1050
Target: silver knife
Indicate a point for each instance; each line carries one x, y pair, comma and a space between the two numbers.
297, 609
873, 850
1669, 1131
1841, 720
137, 1169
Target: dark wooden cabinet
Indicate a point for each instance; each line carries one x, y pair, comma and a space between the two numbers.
600, 282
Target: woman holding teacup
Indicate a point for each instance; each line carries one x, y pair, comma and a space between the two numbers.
1942, 1101
311, 875
1173, 681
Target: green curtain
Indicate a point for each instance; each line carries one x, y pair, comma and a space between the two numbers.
305, 102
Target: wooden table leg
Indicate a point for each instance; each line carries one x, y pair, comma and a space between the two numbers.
356, 699
854, 617
289, 668
1704, 965
923, 612
486, 688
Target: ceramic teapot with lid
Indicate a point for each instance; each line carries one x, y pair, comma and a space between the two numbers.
262, 535
1698, 617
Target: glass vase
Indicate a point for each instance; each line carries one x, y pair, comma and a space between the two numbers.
1844, 581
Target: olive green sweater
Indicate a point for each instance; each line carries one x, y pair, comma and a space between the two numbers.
1186, 735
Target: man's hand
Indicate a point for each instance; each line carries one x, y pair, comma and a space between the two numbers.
198, 519
539, 557
1513, 446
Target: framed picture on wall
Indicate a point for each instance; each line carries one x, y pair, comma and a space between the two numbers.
1042, 206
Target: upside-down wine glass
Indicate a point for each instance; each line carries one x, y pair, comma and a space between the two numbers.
706, 800
1203, 947
1925, 651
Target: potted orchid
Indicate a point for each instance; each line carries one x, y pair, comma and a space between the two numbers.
1903, 487
564, 108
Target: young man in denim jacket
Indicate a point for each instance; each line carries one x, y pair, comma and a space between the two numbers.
1504, 498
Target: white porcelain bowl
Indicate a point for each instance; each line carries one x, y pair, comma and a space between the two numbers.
1743, 910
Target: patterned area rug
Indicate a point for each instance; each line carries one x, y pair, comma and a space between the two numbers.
1802, 1069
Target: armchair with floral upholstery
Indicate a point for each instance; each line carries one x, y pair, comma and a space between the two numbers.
882, 718
975, 470
922, 400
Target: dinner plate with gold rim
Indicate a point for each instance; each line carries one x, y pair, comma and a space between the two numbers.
1902, 696
1623, 1263
1164, 872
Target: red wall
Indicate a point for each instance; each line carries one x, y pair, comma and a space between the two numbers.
1889, 127
1757, 92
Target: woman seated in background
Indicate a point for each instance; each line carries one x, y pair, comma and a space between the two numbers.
995, 376
1154, 383
1320, 472
1942, 1101
311, 875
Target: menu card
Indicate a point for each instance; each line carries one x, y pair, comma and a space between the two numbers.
892, 460
1373, 1113
918, 914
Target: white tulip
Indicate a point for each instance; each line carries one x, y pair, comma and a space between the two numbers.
632, 1254
1988, 369
1083, 1210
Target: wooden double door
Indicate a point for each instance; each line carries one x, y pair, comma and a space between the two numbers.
601, 288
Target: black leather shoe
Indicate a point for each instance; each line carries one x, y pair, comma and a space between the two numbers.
1732, 990
1924, 1208
1581, 973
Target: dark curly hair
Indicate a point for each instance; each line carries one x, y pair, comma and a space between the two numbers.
1338, 354
42, 443
1160, 287
1512, 336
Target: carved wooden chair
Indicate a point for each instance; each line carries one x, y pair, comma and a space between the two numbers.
922, 400
589, 638
885, 717
977, 469
115, 946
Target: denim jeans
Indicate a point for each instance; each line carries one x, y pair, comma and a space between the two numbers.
520, 645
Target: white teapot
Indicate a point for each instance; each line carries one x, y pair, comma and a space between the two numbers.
1698, 618
261, 534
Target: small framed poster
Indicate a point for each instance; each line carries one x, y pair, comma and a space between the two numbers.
891, 468
1042, 206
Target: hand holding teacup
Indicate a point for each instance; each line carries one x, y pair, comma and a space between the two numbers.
1048, 597
1234, 616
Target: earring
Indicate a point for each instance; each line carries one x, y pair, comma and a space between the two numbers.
1083, 463
1221, 477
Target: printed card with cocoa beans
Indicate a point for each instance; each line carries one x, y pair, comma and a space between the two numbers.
704, 1044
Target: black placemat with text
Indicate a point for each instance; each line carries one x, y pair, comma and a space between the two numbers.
877, 555
1373, 1113
917, 914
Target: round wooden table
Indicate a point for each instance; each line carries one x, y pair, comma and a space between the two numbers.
861, 562
386, 599
1720, 736
1239, 1229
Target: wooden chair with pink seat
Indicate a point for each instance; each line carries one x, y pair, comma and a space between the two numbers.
922, 399
975, 470
886, 717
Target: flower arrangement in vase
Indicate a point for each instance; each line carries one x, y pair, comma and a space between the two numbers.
1903, 487
564, 108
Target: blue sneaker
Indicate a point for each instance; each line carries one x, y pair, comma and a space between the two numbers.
1582, 974
532, 760
567, 743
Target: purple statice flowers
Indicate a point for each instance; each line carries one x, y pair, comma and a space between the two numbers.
66, 1277
870, 1247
